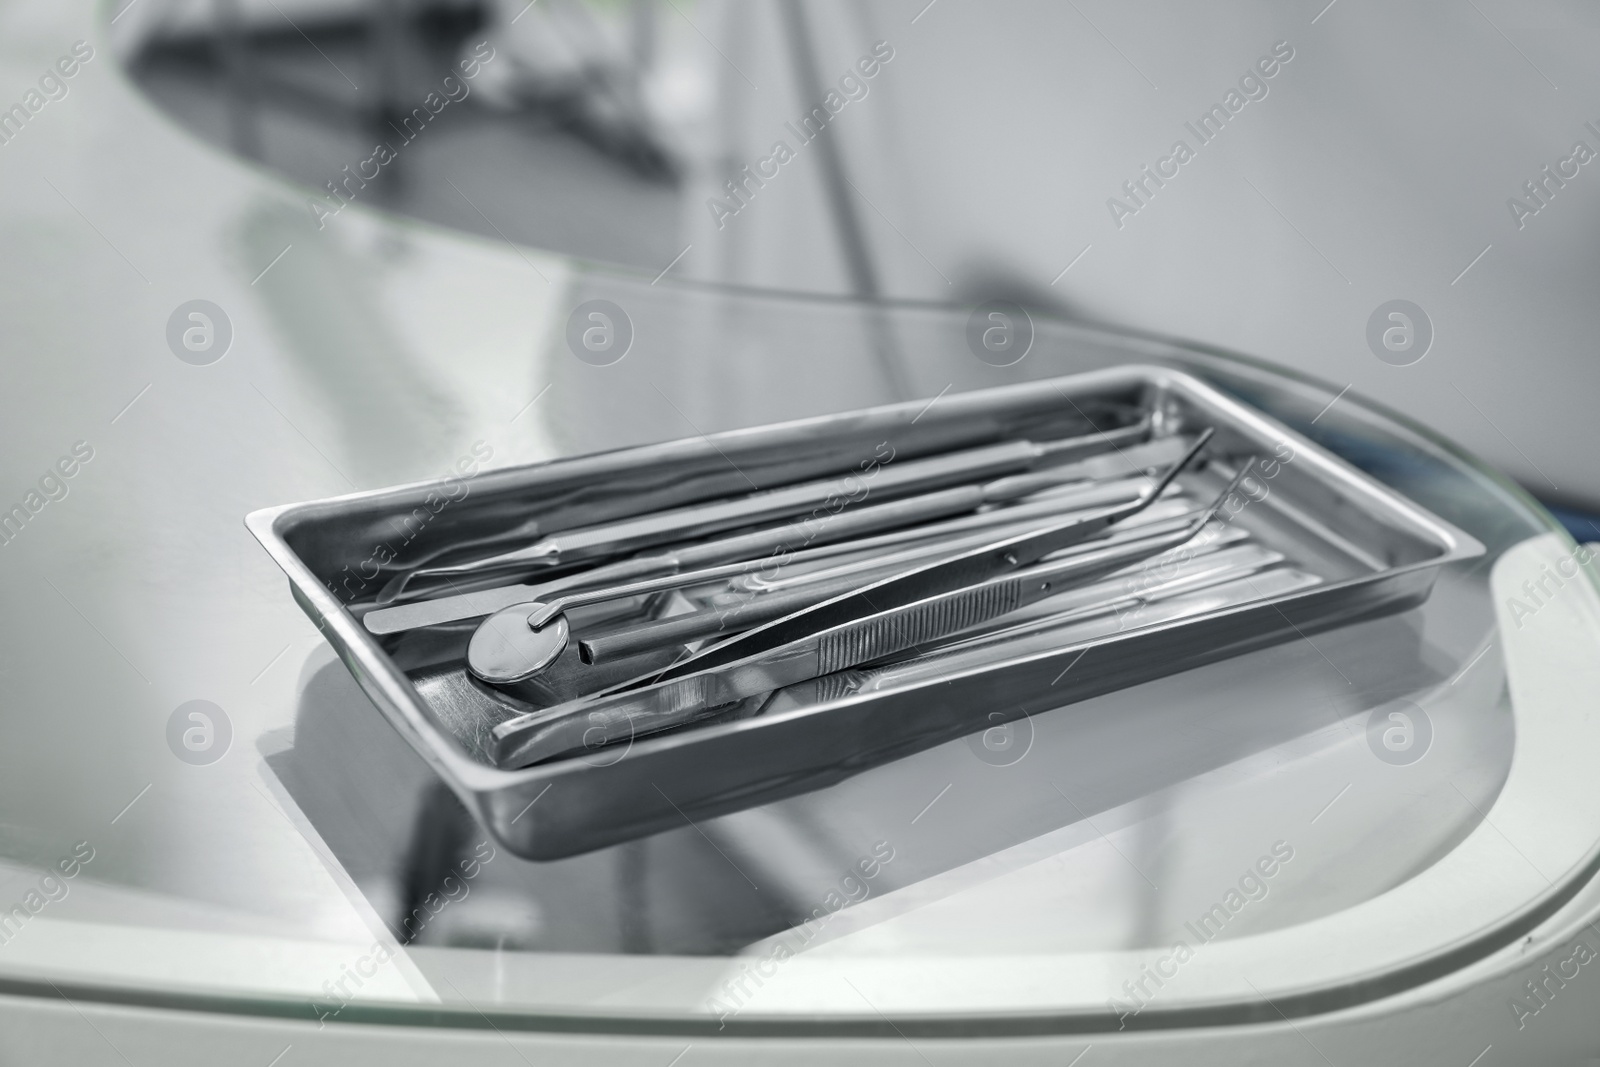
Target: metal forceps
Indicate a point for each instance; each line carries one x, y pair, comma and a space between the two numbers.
890, 615
521, 641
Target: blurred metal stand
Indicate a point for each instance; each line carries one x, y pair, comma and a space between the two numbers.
389, 47
244, 87
858, 258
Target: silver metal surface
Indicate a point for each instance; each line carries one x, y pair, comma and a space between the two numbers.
617, 538
631, 710
511, 645
1213, 582
1371, 551
779, 599
397, 618
829, 626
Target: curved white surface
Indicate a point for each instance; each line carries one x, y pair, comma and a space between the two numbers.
1540, 832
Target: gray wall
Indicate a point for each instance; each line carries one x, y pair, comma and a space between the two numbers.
1378, 166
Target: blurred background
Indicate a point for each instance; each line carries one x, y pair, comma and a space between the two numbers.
985, 156
396, 205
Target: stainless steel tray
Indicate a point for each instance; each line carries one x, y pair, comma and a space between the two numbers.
1346, 548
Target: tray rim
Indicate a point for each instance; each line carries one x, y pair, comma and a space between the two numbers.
474, 781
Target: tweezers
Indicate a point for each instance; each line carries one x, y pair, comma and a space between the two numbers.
918, 605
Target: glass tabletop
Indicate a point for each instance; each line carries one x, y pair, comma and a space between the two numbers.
295, 856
